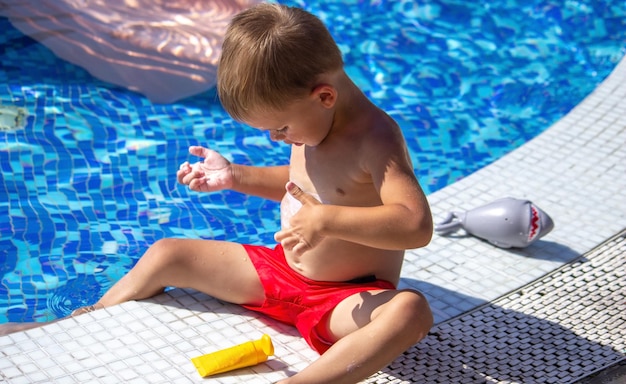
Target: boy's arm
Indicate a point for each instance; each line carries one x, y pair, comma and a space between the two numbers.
404, 220
394, 225
266, 182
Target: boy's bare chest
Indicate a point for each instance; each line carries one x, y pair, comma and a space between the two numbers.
336, 177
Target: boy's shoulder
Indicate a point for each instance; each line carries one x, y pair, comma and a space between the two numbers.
379, 129
366, 127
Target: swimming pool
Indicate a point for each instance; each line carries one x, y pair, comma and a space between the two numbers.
88, 184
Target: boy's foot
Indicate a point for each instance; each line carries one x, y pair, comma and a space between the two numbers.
87, 309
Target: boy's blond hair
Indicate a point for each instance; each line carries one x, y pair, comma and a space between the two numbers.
272, 55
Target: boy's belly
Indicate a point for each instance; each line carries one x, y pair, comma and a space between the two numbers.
338, 260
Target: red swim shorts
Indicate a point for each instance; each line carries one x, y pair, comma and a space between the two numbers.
297, 300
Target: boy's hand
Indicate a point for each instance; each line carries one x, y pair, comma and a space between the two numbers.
214, 173
303, 233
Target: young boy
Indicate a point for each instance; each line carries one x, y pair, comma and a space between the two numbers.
352, 204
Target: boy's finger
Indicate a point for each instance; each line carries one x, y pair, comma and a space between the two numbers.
199, 151
299, 194
300, 248
279, 236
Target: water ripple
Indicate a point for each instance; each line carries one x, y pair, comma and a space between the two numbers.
76, 293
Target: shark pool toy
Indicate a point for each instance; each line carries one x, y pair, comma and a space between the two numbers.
505, 223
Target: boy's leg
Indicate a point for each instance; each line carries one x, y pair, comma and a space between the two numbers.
372, 329
219, 269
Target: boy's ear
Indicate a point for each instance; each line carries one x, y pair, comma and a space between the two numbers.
326, 94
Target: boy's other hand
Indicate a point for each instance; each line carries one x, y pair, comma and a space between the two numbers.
303, 232
214, 173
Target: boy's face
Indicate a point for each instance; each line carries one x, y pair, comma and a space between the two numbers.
305, 121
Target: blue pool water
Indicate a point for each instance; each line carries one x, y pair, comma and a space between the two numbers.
89, 183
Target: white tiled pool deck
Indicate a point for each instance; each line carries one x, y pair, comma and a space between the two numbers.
510, 316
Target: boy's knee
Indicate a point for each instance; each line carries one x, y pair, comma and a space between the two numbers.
414, 308
164, 251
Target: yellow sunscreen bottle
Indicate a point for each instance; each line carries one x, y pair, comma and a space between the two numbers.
239, 356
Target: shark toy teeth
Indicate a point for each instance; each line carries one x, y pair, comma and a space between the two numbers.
505, 223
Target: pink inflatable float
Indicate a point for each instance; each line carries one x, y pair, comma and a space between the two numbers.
164, 49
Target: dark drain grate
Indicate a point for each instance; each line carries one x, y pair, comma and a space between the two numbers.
559, 329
